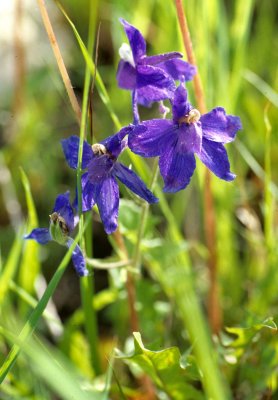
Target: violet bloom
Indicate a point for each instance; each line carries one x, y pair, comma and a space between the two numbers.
150, 78
61, 226
175, 141
99, 184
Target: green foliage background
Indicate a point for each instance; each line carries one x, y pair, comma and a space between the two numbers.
236, 48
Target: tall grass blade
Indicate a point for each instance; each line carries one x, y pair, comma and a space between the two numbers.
30, 265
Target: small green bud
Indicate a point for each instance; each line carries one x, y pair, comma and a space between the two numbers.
58, 228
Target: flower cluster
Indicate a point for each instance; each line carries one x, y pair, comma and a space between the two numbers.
175, 141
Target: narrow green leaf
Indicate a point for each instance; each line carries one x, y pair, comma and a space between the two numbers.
52, 369
32, 321
30, 265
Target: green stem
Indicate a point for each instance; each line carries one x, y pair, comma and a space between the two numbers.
86, 283
143, 220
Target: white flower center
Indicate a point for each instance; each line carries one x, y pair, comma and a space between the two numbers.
126, 54
99, 149
192, 117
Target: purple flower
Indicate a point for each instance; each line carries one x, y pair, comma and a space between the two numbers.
175, 141
99, 184
62, 223
151, 77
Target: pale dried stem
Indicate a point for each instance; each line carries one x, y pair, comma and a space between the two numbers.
214, 310
19, 55
59, 59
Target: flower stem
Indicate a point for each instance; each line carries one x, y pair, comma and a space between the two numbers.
214, 310
136, 118
86, 283
143, 220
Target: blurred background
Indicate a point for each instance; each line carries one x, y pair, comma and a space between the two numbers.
236, 46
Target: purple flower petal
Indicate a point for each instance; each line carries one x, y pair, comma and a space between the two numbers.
40, 235
176, 169
99, 169
115, 143
126, 76
153, 84
78, 259
181, 106
150, 138
160, 58
88, 190
220, 127
63, 207
70, 148
136, 40
133, 182
107, 199
215, 157
190, 138
179, 69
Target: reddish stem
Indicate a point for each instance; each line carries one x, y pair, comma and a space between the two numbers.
214, 310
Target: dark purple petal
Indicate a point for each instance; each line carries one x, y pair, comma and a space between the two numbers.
160, 58
78, 259
99, 169
115, 143
179, 69
153, 84
63, 207
215, 157
190, 138
136, 40
133, 182
176, 169
126, 76
70, 148
40, 235
107, 199
148, 75
181, 106
220, 127
88, 190
151, 138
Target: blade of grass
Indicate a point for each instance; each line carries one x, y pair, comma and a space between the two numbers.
240, 30
262, 86
51, 368
30, 266
33, 320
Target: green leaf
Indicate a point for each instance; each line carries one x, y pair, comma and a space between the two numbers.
245, 335
165, 369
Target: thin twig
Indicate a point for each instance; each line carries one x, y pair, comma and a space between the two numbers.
214, 310
59, 59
